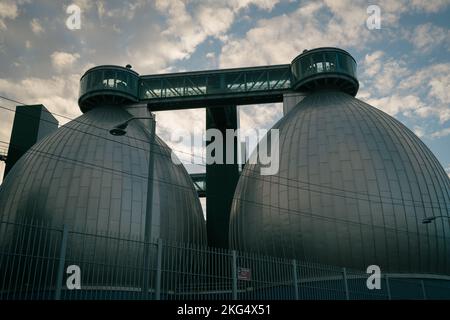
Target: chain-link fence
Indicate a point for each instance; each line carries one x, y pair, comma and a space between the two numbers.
36, 262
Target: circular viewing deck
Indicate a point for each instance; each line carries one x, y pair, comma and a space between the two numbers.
108, 85
324, 68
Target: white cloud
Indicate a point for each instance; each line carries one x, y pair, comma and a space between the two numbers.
262, 4
383, 74
440, 87
281, 38
125, 9
187, 25
8, 10
434, 83
428, 132
260, 116
394, 8
171, 125
58, 93
395, 104
339, 23
84, 4
448, 170
36, 26
373, 58
177, 40
63, 60
419, 131
441, 133
398, 89
426, 37
373, 63
215, 21
430, 6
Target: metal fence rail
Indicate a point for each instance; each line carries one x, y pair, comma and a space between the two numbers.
35, 257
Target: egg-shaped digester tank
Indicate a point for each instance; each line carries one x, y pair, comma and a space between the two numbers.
353, 187
95, 183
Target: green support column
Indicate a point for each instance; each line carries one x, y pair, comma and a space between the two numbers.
221, 179
31, 124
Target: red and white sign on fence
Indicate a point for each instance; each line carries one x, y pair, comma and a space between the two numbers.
244, 274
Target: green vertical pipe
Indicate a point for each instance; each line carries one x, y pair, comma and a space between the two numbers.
221, 178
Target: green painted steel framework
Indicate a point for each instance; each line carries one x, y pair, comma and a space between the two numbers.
219, 91
219, 87
238, 86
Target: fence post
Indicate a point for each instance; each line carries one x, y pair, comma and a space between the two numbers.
234, 271
423, 290
294, 270
62, 262
158, 271
388, 287
146, 270
344, 274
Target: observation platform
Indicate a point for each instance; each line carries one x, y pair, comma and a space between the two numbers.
322, 68
311, 70
108, 84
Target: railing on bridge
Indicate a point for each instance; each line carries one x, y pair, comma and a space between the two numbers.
248, 85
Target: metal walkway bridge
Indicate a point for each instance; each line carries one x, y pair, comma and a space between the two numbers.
218, 87
238, 86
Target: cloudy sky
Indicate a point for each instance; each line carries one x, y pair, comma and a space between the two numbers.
403, 67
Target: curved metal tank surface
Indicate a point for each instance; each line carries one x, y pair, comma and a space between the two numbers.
95, 182
352, 189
